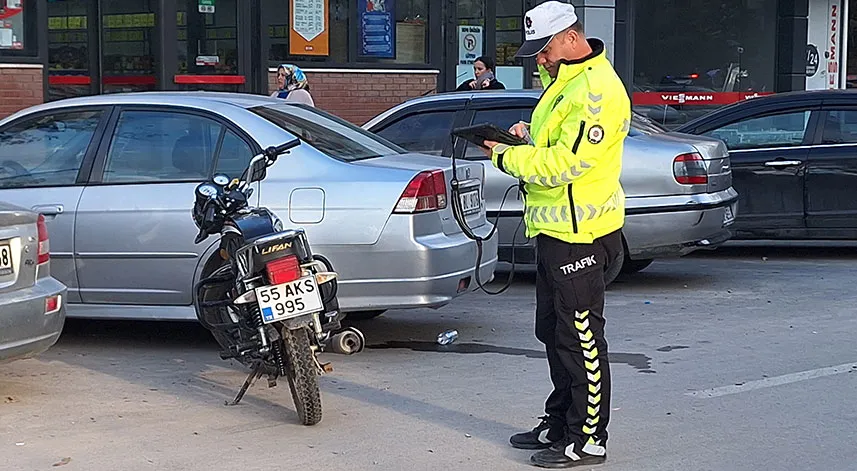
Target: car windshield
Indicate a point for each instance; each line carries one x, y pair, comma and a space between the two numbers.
327, 133
644, 125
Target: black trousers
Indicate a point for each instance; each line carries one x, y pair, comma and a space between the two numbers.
570, 322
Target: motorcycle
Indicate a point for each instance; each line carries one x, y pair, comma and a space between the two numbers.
268, 300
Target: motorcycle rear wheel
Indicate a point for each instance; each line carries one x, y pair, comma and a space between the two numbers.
302, 375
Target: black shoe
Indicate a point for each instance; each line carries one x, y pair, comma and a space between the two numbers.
543, 436
563, 454
566, 453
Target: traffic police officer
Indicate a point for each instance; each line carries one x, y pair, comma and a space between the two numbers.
575, 208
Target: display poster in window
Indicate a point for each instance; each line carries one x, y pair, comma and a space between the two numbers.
469, 44
377, 33
309, 33
823, 49
11, 24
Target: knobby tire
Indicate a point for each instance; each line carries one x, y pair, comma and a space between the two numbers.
302, 375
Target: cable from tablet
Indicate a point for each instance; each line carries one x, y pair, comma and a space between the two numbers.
458, 214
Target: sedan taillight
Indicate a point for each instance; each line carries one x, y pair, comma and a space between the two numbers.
689, 169
425, 192
44, 244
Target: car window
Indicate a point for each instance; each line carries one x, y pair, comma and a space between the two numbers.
47, 150
234, 155
840, 127
426, 132
503, 118
779, 130
327, 133
161, 146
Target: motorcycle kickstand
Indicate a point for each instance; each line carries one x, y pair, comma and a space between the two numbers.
254, 375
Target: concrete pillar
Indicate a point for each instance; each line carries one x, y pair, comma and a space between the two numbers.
792, 25
599, 21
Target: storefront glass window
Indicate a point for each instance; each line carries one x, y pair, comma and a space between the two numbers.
208, 41
471, 38
17, 27
69, 71
702, 48
509, 31
319, 34
407, 19
510, 35
128, 35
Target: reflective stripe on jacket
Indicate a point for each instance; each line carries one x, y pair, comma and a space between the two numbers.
572, 173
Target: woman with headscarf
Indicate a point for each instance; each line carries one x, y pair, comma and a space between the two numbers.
292, 85
483, 70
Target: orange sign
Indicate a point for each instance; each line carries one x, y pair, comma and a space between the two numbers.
309, 32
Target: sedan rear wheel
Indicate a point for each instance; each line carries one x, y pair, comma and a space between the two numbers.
634, 266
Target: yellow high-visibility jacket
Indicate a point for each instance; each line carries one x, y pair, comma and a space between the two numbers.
572, 173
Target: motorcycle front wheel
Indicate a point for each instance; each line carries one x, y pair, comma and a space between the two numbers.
302, 375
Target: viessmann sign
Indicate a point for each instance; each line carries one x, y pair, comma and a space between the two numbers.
693, 98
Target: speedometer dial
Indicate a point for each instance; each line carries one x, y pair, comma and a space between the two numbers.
207, 190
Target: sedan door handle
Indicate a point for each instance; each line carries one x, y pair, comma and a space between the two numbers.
783, 163
49, 209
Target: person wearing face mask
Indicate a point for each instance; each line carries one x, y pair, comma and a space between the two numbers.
575, 209
483, 70
292, 85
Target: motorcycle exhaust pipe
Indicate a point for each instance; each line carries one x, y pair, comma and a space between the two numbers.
347, 342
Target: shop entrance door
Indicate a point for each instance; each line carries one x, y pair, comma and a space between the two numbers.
208, 46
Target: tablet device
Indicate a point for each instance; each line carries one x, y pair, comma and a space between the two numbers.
488, 132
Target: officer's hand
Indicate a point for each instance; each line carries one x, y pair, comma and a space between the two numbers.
488, 147
519, 129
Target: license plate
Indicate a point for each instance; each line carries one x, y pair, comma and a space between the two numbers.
6, 260
470, 201
728, 215
288, 300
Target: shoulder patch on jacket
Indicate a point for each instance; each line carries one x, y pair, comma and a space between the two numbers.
595, 134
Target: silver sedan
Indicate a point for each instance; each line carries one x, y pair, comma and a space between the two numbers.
678, 187
117, 175
32, 302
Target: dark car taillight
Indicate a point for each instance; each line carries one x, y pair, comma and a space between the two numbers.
44, 244
283, 270
425, 192
689, 169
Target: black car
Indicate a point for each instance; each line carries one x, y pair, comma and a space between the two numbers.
794, 163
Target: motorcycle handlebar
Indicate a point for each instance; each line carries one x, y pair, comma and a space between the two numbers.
273, 152
270, 156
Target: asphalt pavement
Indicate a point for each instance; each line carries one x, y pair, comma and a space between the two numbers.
740, 359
